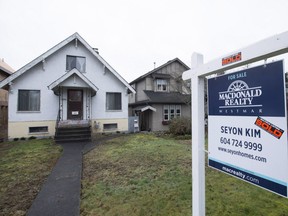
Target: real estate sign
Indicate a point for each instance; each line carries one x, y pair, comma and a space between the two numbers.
247, 126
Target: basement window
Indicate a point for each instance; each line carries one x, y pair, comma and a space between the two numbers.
112, 126
41, 129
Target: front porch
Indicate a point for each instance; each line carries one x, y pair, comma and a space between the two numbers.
73, 131
73, 123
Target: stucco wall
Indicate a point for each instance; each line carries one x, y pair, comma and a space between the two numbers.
98, 125
21, 129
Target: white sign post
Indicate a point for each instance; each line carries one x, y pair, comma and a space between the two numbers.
264, 49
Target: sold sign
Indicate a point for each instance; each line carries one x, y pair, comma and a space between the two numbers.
269, 127
231, 59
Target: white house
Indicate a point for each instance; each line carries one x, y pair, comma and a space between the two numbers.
69, 84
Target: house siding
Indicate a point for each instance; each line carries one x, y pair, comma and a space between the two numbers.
44, 73
157, 118
172, 72
141, 96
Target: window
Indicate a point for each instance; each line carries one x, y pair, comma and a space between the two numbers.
112, 126
29, 100
166, 113
171, 111
76, 62
161, 85
113, 101
43, 129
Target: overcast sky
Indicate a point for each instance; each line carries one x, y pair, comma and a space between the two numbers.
131, 34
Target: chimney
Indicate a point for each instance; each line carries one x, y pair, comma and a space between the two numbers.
96, 50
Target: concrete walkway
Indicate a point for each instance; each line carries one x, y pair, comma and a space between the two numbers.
60, 194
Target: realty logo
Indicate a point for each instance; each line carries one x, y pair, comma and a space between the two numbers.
239, 94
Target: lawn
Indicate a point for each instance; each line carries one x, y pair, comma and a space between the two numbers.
147, 175
24, 165
137, 175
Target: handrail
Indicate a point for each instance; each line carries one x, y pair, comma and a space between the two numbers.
57, 121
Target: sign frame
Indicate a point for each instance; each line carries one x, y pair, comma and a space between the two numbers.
242, 140
261, 50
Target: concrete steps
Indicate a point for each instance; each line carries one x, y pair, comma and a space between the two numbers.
73, 134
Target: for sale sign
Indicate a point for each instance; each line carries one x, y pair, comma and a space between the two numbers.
247, 126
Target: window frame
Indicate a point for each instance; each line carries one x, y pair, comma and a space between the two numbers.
115, 108
161, 85
38, 129
171, 111
38, 103
70, 67
110, 126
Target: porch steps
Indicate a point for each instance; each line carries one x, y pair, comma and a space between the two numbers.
73, 134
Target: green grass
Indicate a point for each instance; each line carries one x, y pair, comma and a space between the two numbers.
146, 175
137, 175
228, 196
24, 165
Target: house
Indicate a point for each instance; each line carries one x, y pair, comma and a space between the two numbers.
5, 71
69, 85
161, 96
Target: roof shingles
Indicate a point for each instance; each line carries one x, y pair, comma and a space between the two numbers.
167, 97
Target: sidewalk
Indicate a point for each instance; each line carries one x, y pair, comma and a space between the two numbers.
60, 194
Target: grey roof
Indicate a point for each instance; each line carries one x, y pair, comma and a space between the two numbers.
167, 97
158, 68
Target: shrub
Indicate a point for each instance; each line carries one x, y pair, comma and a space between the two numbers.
180, 126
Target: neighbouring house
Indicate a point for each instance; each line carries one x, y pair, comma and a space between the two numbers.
68, 86
5, 71
161, 96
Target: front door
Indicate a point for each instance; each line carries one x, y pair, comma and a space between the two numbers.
75, 104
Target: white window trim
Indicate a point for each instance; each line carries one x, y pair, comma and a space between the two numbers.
161, 82
169, 108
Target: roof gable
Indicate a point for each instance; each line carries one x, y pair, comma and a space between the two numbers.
66, 76
159, 68
42, 57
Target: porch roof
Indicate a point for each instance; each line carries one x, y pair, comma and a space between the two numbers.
144, 108
53, 86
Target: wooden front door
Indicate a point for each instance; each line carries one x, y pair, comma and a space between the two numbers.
75, 104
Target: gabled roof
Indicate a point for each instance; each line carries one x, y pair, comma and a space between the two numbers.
42, 57
144, 108
158, 68
58, 82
